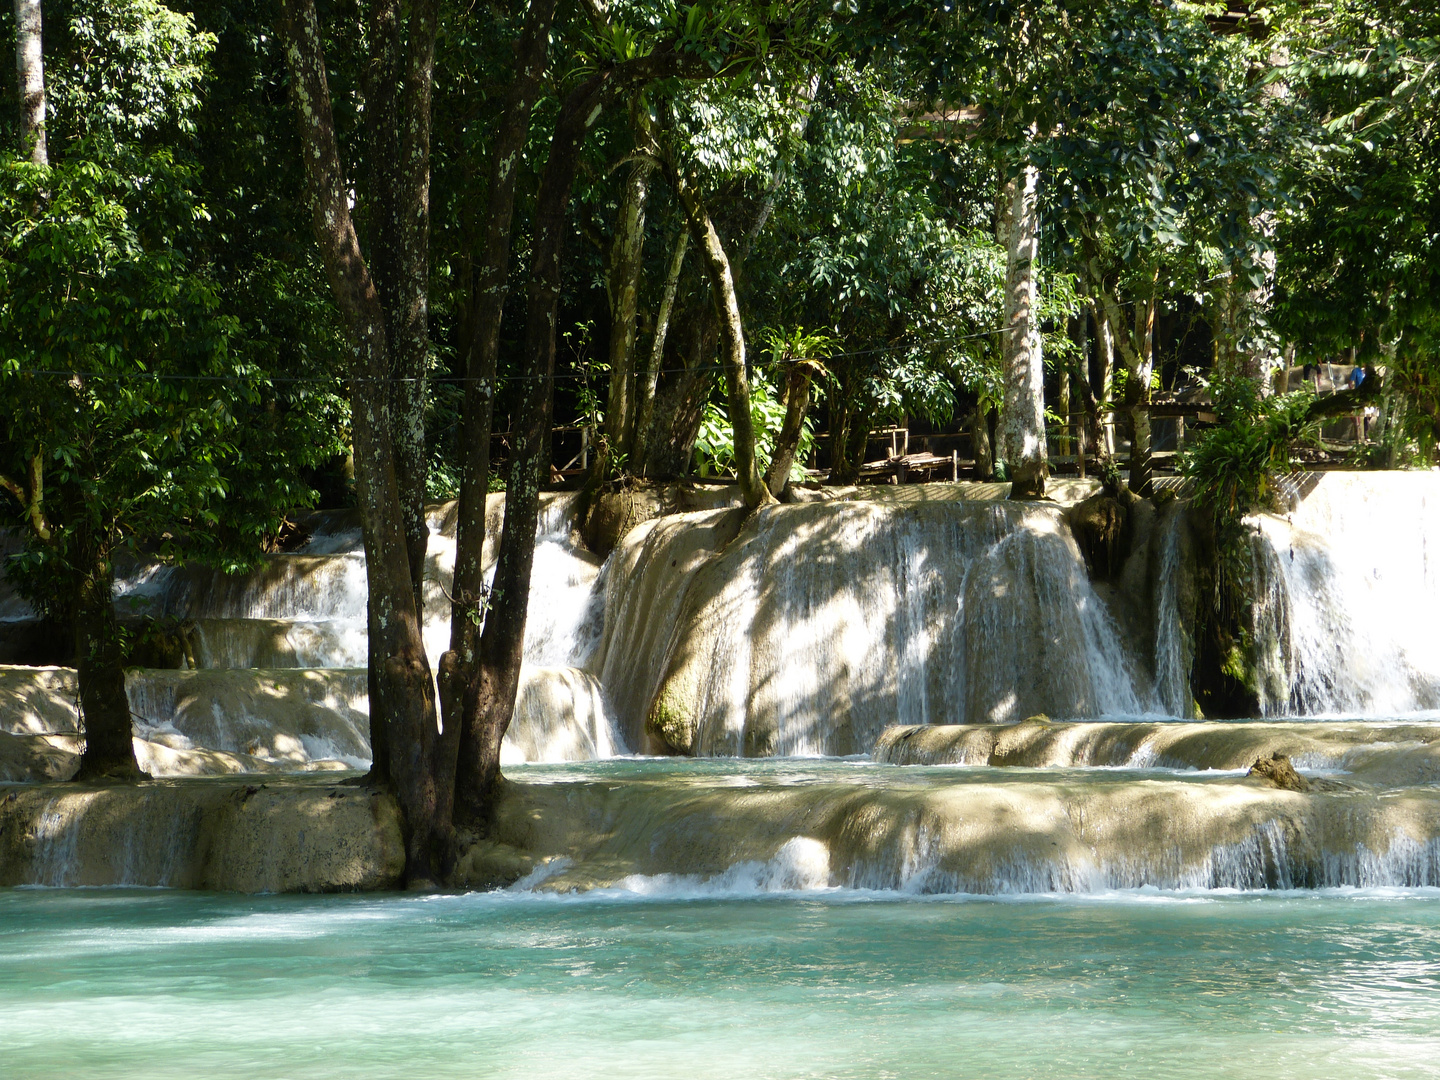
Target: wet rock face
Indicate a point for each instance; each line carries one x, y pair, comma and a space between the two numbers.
1277, 772
1101, 525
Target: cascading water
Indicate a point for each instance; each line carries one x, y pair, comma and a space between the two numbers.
811, 629
815, 626
1350, 588
822, 624
1173, 651
297, 625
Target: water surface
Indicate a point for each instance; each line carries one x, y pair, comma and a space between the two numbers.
694, 985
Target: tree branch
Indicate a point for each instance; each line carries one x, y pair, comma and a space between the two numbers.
34, 501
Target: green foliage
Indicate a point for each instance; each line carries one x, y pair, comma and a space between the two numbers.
715, 444
130, 387
1232, 466
135, 70
1359, 247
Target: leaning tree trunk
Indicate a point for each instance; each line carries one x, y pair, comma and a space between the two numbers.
666, 426
732, 337
403, 698
1022, 414
457, 666
99, 656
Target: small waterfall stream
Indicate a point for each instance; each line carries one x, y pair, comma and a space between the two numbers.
1350, 596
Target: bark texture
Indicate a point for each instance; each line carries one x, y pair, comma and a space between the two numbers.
488, 305
398, 96
459, 666
981, 444
1022, 414
787, 441
680, 405
30, 80
402, 702
1133, 341
626, 263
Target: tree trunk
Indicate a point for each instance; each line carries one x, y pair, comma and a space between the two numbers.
397, 115
1105, 353
980, 443
680, 404
645, 389
403, 692
1022, 415
1137, 400
30, 79
670, 433
849, 436
457, 666
1135, 344
104, 708
1077, 379
732, 337
797, 401
622, 286
490, 698
626, 263
1062, 405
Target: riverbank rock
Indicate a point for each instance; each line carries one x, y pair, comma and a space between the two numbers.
264, 835
950, 832
1375, 755
1277, 771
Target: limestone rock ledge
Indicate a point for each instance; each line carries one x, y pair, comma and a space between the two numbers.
942, 833
265, 835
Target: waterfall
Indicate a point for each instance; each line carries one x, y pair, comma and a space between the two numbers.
822, 624
837, 825
1173, 650
806, 629
1349, 590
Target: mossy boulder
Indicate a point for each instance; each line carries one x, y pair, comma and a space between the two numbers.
1276, 771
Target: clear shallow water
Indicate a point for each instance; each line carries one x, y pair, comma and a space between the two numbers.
130, 983
804, 771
